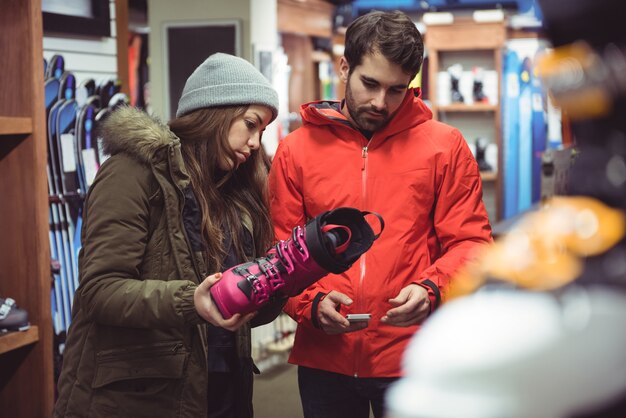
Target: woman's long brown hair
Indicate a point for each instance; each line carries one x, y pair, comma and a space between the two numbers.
224, 198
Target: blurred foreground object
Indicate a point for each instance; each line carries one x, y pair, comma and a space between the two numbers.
518, 354
544, 249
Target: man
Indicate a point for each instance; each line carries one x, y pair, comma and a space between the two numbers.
378, 150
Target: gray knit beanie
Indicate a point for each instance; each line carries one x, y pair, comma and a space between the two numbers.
226, 80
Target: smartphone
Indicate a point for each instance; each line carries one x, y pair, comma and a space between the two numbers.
358, 317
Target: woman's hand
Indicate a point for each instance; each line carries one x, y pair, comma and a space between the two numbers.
207, 309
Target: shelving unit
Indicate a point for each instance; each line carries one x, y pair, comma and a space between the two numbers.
483, 42
459, 107
14, 340
298, 22
15, 126
26, 371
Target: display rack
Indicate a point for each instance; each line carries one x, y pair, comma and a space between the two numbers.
26, 371
476, 40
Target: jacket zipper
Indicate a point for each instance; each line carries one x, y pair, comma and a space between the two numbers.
179, 212
363, 205
202, 328
158, 349
359, 296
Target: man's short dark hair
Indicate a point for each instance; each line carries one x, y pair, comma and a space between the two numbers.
393, 34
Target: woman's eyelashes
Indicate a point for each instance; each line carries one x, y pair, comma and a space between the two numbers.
251, 124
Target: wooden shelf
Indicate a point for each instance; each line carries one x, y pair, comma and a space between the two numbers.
26, 358
466, 35
461, 107
321, 56
15, 125
524, 34
311, 17
14, 340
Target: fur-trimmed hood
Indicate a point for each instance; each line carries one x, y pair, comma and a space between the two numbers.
132, 131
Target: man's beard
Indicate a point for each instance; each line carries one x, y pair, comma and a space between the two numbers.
359, 115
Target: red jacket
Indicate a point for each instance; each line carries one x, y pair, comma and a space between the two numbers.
420, 175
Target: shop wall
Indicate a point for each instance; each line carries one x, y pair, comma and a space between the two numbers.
161, 12
86, 57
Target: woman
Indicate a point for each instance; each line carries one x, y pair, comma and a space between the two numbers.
169, 206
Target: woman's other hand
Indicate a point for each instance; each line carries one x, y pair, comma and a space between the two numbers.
207, 309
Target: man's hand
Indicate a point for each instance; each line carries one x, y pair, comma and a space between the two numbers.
411, 307
331, 321
207, 309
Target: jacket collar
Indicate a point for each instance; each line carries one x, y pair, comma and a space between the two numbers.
132, 131
412, 112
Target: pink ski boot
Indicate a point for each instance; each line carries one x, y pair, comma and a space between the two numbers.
328, 243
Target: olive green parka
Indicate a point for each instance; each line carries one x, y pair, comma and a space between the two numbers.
136, 346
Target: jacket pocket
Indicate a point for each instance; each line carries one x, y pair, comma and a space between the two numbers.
139, 381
